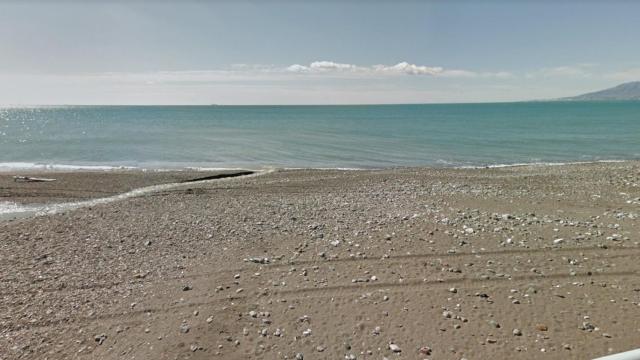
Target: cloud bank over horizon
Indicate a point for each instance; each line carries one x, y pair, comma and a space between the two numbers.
318, 82
401, 68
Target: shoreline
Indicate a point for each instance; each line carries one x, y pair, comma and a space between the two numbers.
147, 177
24, 200
37, 168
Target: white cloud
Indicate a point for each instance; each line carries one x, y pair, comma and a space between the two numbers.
296, 68
401, 68
409, 69
316, 82
264, 73
332, 66
319, 67
325, 67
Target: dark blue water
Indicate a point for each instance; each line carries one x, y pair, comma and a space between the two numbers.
320, 136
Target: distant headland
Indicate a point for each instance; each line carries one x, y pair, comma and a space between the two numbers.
626, 91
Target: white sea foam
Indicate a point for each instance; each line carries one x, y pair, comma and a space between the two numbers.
497, 166
27, 166
9, 166
332, 168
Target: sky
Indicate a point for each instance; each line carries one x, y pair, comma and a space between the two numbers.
312, 52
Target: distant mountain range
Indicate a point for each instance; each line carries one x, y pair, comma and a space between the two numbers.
626, 91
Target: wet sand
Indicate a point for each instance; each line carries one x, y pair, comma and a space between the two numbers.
75, 186
532, 262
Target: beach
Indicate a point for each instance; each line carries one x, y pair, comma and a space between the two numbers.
524, 262
70, 186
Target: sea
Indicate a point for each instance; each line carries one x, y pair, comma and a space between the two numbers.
345, 137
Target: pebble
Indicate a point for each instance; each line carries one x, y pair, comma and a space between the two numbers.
259, 260
100, 338
542, 327
517, 332
395, 348
184, 328
587, 326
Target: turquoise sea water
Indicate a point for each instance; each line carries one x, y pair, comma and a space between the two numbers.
319, 136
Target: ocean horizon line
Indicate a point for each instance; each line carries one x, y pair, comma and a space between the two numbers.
558, 100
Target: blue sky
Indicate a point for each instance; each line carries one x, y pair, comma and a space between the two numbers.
312, 52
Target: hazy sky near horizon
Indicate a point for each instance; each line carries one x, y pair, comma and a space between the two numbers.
312, 52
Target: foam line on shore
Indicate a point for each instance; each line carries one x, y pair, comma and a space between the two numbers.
12, 166
498, 166
11, 210
9, 167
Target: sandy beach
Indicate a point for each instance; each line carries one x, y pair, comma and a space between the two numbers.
530, 262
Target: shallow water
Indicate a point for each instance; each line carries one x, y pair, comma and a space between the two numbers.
318, 136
